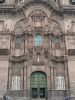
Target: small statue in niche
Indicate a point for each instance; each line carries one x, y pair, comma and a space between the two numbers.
46, 53
29, 54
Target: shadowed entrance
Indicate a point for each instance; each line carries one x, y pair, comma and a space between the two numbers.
38, 84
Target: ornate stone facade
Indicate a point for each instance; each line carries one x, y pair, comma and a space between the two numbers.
37, 49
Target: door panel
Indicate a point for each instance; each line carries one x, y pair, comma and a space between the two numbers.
34, 92
42, 92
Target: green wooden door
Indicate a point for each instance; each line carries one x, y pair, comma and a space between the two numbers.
38, 84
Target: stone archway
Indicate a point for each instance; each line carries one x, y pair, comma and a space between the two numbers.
38, 84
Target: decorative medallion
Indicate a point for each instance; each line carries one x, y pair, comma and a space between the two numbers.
38, 15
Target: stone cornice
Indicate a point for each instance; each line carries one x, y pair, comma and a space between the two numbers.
7, 8
70, 34
26, 4
60, 9
7, 33
48, 3
68, 8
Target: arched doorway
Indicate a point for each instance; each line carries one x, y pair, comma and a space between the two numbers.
38, 84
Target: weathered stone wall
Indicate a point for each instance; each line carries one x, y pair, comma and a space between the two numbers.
3, 77
71, 68
8, 23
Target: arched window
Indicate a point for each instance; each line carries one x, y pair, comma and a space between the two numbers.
18, 40
56, 39
2, 1
38, 40
72, 2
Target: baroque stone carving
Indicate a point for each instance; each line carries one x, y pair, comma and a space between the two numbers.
37, 15
4, 51
20, 27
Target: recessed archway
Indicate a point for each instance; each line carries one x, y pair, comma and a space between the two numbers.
38, 84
